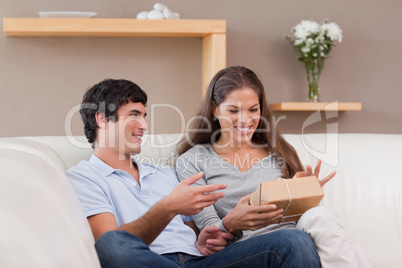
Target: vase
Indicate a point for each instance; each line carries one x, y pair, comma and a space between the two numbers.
313, 93
313, 76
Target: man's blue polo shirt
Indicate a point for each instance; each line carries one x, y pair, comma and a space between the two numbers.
101, 188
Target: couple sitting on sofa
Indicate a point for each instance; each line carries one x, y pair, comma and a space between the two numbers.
140, 215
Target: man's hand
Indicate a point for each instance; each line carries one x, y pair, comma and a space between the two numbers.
211, 240
189, 200
246, 217
309, 172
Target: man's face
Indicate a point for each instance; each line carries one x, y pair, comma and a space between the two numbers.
125, 133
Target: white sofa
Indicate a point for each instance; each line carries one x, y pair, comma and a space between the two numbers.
42, 223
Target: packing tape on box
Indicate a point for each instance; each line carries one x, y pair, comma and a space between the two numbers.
290, 201
290, 195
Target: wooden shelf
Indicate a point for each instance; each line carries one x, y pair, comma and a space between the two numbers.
315, 106
213, 33
63, 27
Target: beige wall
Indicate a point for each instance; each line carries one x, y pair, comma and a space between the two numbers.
43, 79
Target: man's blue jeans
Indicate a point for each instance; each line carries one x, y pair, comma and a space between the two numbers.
284, 248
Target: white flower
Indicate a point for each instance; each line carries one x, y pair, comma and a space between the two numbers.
319, 38
332, 30
300, 34
298, 42
305, 28
310, 26
314, 40
309, 41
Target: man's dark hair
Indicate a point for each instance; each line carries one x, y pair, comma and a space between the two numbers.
107, 97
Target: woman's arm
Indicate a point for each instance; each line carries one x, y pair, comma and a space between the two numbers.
246, 217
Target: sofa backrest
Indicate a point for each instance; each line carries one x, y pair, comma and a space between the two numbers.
42, 223
365, 193
157, 149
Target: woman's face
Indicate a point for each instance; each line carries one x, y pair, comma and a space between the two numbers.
238, 115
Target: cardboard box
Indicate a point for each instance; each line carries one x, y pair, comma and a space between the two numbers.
295, 196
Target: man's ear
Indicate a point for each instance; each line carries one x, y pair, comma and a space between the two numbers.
101, 120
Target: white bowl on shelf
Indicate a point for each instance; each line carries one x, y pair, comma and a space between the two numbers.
66, 14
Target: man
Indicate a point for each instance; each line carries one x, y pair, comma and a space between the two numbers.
139, 213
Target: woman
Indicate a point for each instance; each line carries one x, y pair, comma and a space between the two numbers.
233, 140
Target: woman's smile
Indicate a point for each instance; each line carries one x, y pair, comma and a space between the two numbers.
239, 116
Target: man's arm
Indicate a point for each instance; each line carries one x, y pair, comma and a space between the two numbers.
147, 227
210, 239
184, 200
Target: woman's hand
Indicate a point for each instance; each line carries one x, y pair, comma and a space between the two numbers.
211, 240
309, 172
246, 217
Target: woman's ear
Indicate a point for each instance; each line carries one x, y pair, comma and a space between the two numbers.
101, 120
215, 109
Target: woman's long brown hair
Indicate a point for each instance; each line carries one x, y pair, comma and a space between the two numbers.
205, 129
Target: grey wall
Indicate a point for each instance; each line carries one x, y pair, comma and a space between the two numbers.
43, 79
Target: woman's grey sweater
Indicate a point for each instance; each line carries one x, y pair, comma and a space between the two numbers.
217, 170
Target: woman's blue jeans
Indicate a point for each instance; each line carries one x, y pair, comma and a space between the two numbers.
283, 248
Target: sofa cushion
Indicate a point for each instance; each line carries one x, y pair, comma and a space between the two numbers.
388, 256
